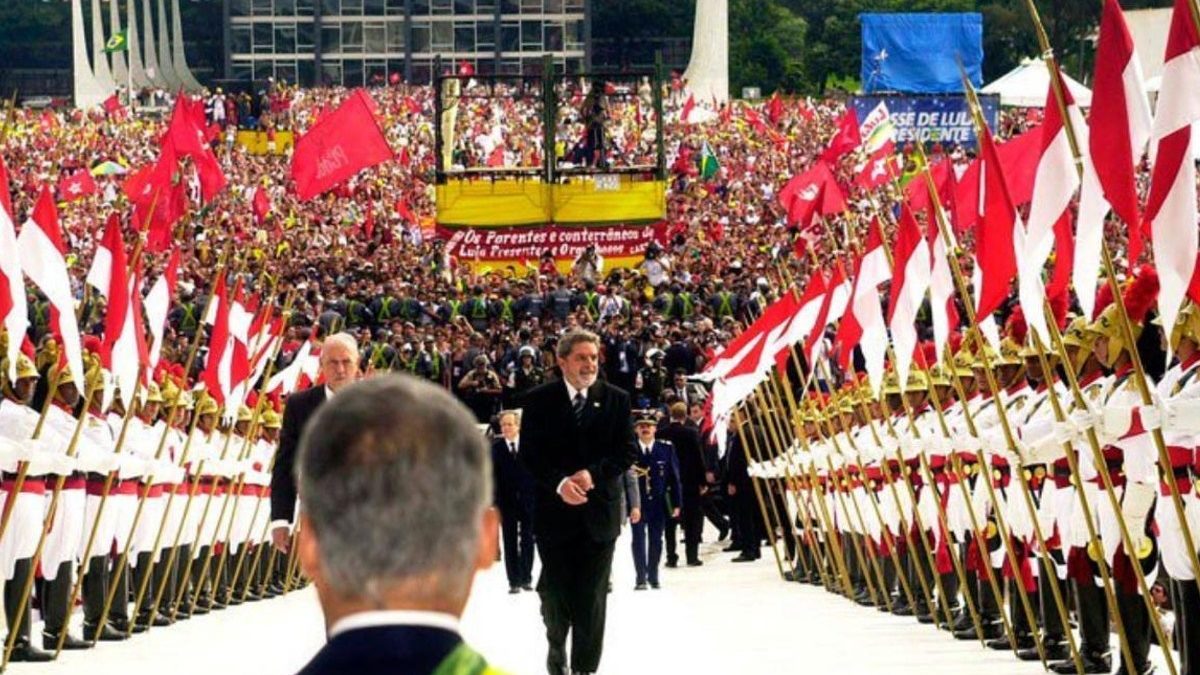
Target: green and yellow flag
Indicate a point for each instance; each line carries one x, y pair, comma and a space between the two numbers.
117, 43
708, 162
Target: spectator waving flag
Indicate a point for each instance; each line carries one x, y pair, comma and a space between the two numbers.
340, 145
708, 164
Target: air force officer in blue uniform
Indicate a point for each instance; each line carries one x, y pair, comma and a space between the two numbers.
657, 471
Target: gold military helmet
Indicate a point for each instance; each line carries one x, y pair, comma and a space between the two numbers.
963, 361
891, 382
1187, 325
1108, 325
272, 419
1079, 334
25, 368
244, 414
170, 394
206, 405
154, 394
1011, 353
938, 376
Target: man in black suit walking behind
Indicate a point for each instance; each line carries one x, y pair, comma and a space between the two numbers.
514, 489
339, 366
690, 454
577, 437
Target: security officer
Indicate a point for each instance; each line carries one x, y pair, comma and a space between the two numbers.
657, 471
652, 379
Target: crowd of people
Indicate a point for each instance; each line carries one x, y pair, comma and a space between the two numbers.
365, 259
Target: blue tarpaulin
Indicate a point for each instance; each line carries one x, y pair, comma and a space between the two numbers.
919, 53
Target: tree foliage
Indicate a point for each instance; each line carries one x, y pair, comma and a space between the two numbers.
807, 45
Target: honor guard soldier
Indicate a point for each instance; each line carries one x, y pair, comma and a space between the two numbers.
657, 471
67, 528
18, 544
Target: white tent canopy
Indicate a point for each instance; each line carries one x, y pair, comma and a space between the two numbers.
1026, 86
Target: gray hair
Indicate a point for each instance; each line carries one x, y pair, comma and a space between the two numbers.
566, 344
394, 479
346, 340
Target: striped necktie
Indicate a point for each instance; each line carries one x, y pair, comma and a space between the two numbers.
577, 404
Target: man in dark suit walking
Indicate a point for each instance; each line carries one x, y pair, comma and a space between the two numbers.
394, 567
578, 442
514, 489
339, 367
690, 455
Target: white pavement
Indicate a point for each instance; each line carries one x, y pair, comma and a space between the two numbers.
719, 618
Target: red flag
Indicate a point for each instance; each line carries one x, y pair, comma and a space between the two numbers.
837, 282
994, 232
1171, 206
1119, 121
76, 186
339, 146
404, 212
187, 137
217, 344
466, 69
882, 168
845, 140
261, 205
414, 108
1019, 158
775, 109
812, 192
117, 294
113, 107
688, 106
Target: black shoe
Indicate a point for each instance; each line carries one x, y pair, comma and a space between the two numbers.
144, 621
513, 590
731, 548
672, 564
183, 613
251, 596
723, 533
50, 642
1147, 669
963, 622
1093, 663
695, 563
107, 634
902, 609
641, 586
198, 610
1055, 651
655, 585
864, 599
527, 586
1001, 644
789, 575
924, 617
23, 652
742, 558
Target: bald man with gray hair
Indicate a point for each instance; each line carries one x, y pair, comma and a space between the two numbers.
339, 361
395, 489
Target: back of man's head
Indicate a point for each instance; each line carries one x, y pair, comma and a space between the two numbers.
394, 481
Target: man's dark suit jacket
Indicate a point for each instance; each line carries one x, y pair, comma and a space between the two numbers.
384, 650
299, 409
555, 447
514, 485
690, 454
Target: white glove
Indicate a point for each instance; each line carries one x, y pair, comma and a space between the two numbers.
1152, 417
1183, 416
1064, 432
1115, 421
62, 465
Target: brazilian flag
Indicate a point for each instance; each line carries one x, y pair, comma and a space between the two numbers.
117, 43
708, 162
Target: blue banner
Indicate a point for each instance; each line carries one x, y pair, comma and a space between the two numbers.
920, 53
930, 119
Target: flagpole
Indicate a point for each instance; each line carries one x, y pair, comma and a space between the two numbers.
1142, 381
238, 482
943, 520
969, 305
47, 523
941, 224
168, 428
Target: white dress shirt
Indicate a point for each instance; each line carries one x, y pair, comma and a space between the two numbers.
394, 617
